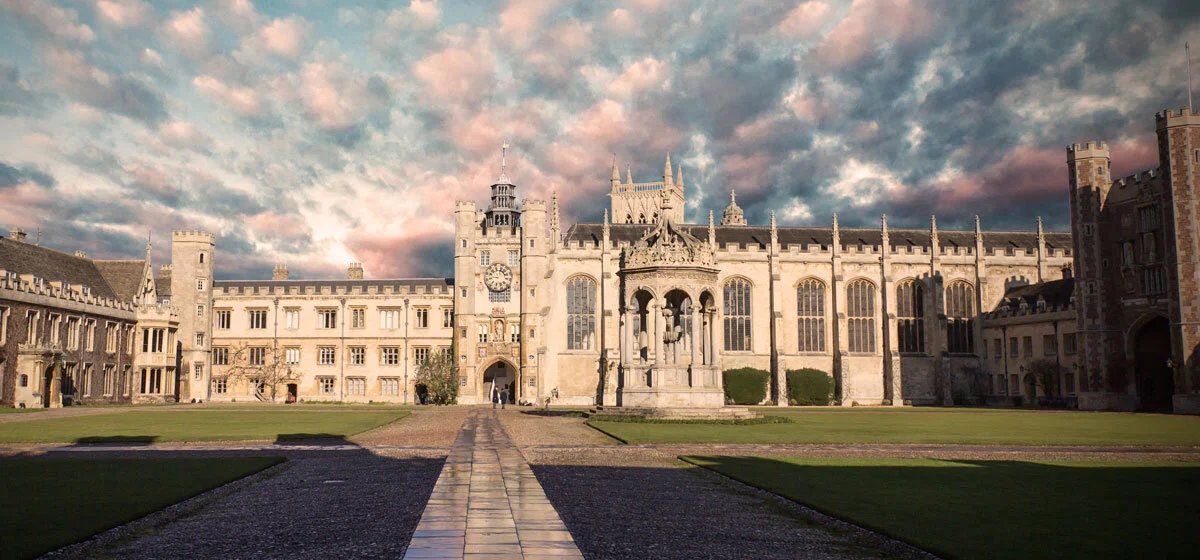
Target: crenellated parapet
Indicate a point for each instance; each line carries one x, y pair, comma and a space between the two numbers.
25, 289
193, 235
1179, 117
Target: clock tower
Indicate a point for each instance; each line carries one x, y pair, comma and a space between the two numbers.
499, 259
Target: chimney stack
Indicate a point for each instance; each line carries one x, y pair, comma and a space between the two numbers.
280, 273
17, 234
164, 271
355, 272
81, 254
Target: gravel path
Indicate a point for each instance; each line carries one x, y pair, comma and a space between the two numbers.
425, 427
528, 427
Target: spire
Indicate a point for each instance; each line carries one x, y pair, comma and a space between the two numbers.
934, 244
884, 235
554, 213
774, 233
733, 215
1041, 234
679, 176
503, 163
667, 169
616, 174
837, 236
628, 175
606, 228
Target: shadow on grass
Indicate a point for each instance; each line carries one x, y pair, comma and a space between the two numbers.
129, 440
956, 508
62, 498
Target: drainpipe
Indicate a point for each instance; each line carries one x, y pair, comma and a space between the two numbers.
342, 351
1057, 361
274, 351
406, 350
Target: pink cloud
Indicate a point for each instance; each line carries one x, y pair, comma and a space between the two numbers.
188, 31
640, 76
122, 13
62, 24
183, 134
270, 224
803, 20
860, 31
520, 19
747, 172
457, 74
288, 38
602, 126
242, 100
403, 252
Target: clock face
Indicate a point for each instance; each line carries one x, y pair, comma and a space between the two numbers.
498, 277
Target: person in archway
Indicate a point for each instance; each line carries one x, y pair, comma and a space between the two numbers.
503, 397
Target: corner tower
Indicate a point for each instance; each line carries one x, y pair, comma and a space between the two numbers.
191, 294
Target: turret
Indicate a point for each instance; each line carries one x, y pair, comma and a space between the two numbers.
667, 176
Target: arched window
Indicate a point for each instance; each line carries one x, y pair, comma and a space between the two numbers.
910, 315
24, 380
960, 318
860, 316
629, 218
581, 313
737, 316
810, 313
641, 218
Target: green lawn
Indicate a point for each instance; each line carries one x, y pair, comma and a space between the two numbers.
944, 426
150, 425
50, 503
996, 509
11, 410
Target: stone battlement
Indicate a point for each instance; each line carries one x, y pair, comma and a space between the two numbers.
1180, 117
48, 289
1087, 150
1136, 178
190, 235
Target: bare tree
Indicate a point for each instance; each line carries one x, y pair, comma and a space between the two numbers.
1046, 374
262, 366
439, 375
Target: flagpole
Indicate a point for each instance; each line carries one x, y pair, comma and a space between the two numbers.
1187, 49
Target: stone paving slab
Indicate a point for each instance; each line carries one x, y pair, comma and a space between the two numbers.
487, 503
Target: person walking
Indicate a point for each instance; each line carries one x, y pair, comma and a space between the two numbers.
494, 396
503, 397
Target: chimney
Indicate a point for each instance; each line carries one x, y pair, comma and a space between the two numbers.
17, 234
355, 272
280, 273
81, 254
165, 271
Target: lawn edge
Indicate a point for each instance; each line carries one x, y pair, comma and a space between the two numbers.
589, 424
797, 508
94, 544
403, 414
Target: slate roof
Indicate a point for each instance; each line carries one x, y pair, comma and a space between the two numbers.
125, 277
743, 236
162, 286
53, 266
1057, 293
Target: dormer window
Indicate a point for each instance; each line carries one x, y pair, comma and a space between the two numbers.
85, 290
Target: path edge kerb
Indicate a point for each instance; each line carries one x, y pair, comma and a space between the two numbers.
94, 545
872, 536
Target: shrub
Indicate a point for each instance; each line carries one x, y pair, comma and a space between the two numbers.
809, 387
439, 374
746, 385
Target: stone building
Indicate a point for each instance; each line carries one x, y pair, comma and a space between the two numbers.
573, 315
355, 340
1137, 241
67, 326
1030, 324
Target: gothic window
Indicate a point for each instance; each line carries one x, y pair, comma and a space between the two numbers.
641, 218
737, 316
810, 313
581, 313
960, 318
629, 218
910, 312
860, 316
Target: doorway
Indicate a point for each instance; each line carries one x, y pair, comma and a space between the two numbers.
496, 377
292, 393
47, 384
1155, 380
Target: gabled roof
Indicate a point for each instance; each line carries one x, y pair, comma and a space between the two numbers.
162, 286
53, 266
125, 277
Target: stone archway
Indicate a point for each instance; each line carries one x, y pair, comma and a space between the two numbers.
504, 374
1151, 352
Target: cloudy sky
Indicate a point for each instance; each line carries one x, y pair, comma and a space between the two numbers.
317, 132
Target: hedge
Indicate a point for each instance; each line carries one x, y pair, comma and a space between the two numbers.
809, 387
746, 385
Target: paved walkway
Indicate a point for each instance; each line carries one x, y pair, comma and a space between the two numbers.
488, 504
